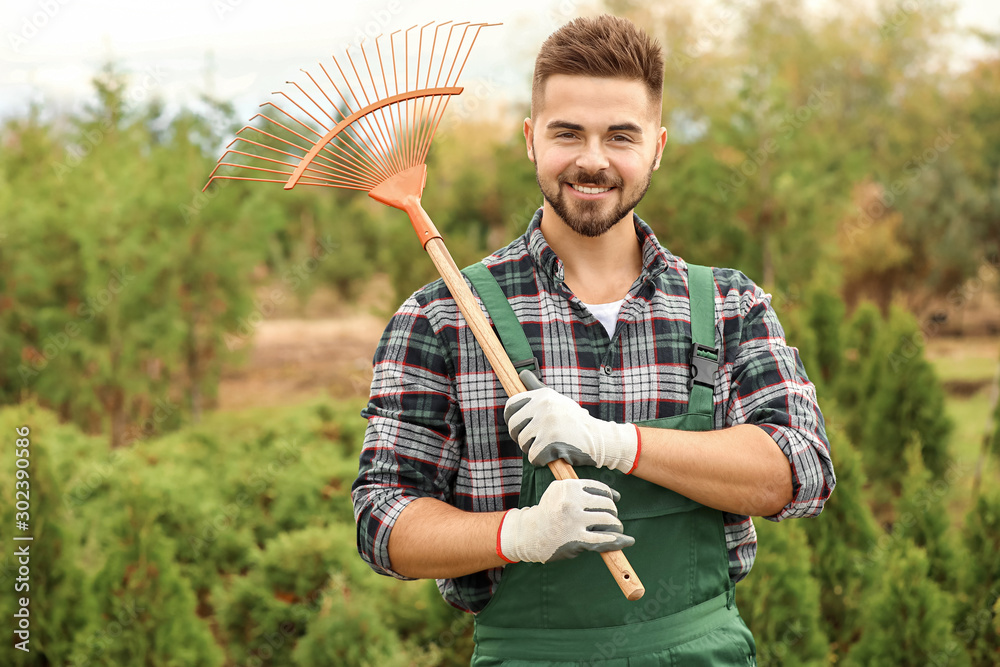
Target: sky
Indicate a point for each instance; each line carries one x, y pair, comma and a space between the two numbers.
243, 50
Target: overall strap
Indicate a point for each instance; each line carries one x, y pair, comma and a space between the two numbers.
704, 353
515, 343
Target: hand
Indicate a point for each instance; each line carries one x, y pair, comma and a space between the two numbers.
549, 426
573, 515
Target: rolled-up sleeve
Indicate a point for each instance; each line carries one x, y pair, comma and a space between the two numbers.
770, 389
411, 444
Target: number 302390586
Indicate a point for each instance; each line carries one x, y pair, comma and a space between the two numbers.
22, 453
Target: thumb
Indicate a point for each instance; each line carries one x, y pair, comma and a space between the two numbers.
530, 380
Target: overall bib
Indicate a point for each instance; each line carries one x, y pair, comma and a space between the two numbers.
572, 612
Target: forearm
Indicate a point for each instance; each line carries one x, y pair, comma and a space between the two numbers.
738, 469
433, 540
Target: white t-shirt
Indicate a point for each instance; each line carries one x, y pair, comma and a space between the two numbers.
606, 314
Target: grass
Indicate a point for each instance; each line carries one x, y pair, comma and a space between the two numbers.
968, 362
968, 415
964, 369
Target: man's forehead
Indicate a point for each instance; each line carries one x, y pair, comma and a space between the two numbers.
577, 98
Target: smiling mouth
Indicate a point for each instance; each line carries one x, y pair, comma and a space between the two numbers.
588, 190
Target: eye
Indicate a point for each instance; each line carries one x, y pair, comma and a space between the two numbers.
620, 138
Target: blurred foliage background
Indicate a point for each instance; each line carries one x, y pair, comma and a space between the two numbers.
839, 160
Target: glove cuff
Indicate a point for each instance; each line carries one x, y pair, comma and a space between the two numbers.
621, 450
506, 534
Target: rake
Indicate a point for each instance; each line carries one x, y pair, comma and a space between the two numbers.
373, 135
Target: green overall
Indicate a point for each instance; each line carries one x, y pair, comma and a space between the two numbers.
572, 612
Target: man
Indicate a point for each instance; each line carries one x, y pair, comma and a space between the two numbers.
669, 387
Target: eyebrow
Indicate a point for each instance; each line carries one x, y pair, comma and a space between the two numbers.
566, 125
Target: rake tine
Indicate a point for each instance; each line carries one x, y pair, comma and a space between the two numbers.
381, 112
304, 125
320, 89
377, 156
382, 147
385, 83
316, 120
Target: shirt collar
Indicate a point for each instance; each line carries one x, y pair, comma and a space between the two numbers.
655, 258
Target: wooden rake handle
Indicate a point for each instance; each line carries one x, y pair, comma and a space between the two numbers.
507, 374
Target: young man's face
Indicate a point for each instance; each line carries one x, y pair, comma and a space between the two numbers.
595, 143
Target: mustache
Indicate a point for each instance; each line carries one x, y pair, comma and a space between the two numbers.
598, 178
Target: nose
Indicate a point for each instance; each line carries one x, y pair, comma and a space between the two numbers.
592, 157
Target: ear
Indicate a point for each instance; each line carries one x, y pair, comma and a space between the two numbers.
661, 142
529, 138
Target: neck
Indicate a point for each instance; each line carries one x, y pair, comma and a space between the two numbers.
598, 270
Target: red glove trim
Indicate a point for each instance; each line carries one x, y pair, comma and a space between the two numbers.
638, 450
500, 528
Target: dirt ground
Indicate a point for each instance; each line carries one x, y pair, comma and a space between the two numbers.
324, 347
295, 360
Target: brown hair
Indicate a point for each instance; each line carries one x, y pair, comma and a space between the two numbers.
604, 46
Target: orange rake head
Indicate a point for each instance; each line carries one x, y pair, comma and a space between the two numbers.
369, 133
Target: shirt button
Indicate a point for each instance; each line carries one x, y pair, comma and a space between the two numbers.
606, 370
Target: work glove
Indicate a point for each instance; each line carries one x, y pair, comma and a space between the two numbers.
549, 426
573, 515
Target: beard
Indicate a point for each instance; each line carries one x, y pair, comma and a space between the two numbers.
593, 218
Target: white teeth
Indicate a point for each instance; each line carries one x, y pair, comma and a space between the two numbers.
588, 191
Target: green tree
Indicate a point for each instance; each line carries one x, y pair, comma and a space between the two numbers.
826, 318
905, 406
906, 619
844, 541
922, 516
780, 599
145, 606
856, 386
978, 615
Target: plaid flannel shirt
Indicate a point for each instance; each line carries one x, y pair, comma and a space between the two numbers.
435, 415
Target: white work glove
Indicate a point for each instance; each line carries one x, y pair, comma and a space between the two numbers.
549, 426
573, 515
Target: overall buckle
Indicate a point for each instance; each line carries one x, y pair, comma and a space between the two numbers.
531, 364
704, 363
